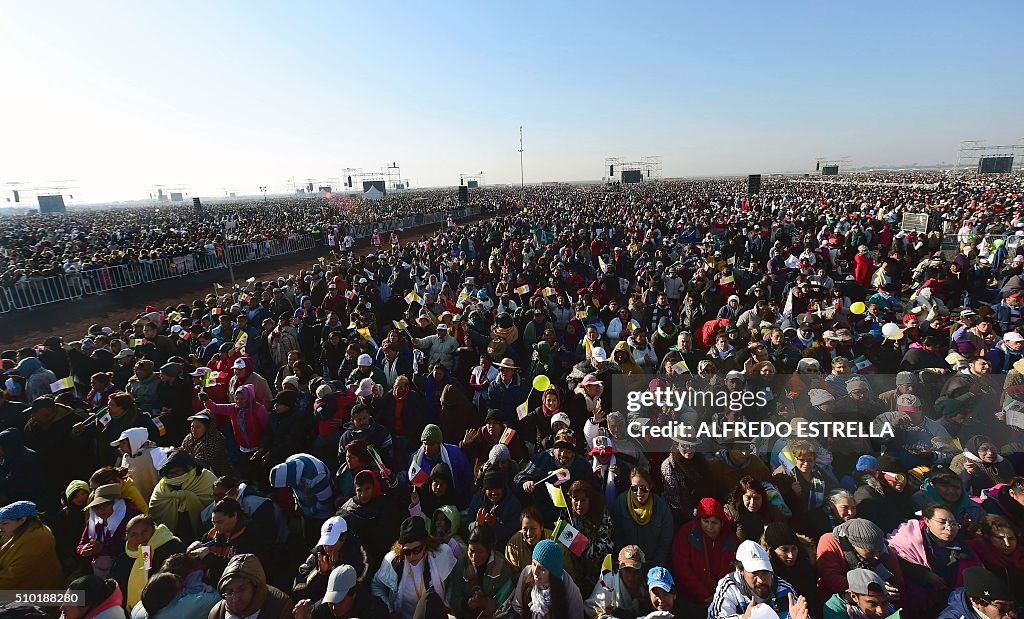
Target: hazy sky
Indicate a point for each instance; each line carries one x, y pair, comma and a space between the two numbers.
120, 96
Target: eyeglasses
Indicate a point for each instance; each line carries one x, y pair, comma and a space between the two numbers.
944, 524
236, 592
412, 552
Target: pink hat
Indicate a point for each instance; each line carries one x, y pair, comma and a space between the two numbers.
590, 379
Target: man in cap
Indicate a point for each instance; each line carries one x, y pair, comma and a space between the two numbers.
124, 367
336, 546
621, 593
857, 543
1006, 352
544, 463
365, 368
344, 598
753, 583
866, 597
984, 595
439, 348
906, 382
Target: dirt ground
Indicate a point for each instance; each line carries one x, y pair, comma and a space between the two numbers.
71, 319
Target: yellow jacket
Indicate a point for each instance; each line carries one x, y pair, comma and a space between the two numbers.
28, 560
140, 575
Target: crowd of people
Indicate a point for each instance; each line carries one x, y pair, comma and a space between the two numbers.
437, 428
82, 240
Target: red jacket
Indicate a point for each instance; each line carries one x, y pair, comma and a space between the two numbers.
832, 568
699, 563
863, 269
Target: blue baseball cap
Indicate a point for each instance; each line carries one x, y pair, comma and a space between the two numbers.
661, 578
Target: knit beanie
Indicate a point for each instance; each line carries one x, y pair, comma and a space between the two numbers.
549, 554
711, 507
499, 453
862, 534
779, 534
27, 509
867, 463
74, 487
432, 434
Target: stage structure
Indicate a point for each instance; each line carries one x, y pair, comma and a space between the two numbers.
621, 169
390, 175
51, 196
831, 167
169, 193
472, 181
982, 158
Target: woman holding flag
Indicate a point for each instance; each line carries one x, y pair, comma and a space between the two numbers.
586, 518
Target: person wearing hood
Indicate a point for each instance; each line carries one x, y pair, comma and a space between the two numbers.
143, 386
232, 532
21, 475
416, 564
101, 599
310, 483
983, 595
866, 597
1006, 500
176, 592
106, 426
67, 524
103, 538
284, 434
248, 418
444, 524
983, 467
371, 515
703, 552
28, 553
141, 457
37, 378
245, 374
141, 531
792, 559
943, 487
456, 414
544, 363
184, 489
207, 444
857, 543
245, 593
495, 506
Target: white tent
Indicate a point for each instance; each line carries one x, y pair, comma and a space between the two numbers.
373, 194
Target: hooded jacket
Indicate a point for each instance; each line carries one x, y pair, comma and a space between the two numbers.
698, 563
246, 424
144, 461
386, 581
249, 377
959, 607
375, 522
37, 378
269, 602
28, 559
21, 478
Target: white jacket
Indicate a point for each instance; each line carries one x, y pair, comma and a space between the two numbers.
385, 581
610, 593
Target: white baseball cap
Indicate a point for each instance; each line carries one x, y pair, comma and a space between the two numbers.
753, 557
364, 360
331, 531
560, 417
1013, 336
239, 364
599, 354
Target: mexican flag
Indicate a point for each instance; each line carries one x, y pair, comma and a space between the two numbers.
570, 537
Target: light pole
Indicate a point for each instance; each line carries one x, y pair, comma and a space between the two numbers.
522, 175
263, 188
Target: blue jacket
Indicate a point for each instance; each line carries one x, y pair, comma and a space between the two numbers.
462, 470
959, 606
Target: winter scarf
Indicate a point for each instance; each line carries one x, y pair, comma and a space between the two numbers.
641, 513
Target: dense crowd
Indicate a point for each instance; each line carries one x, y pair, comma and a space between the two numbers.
440, 428
83, 240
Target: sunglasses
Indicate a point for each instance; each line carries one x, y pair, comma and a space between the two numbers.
640, 489
413, 551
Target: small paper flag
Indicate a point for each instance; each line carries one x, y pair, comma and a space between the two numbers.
251, 280
185, 335
602, 263
321, 259
350, 294
243, 339
557, 497
413, 297
731, 261
549, 292
217, 311
606, 565
105, 420
417, 476
159, 426
60, 385
572, 539
134, 341
524, 289
680, 367
1010, 405
210, 380
728, 279
147, 557
861, 363
523, 409
364, 333
400, 324
217, 286
507, 436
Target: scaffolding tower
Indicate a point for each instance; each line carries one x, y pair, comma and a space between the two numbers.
649, 167
971, 152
